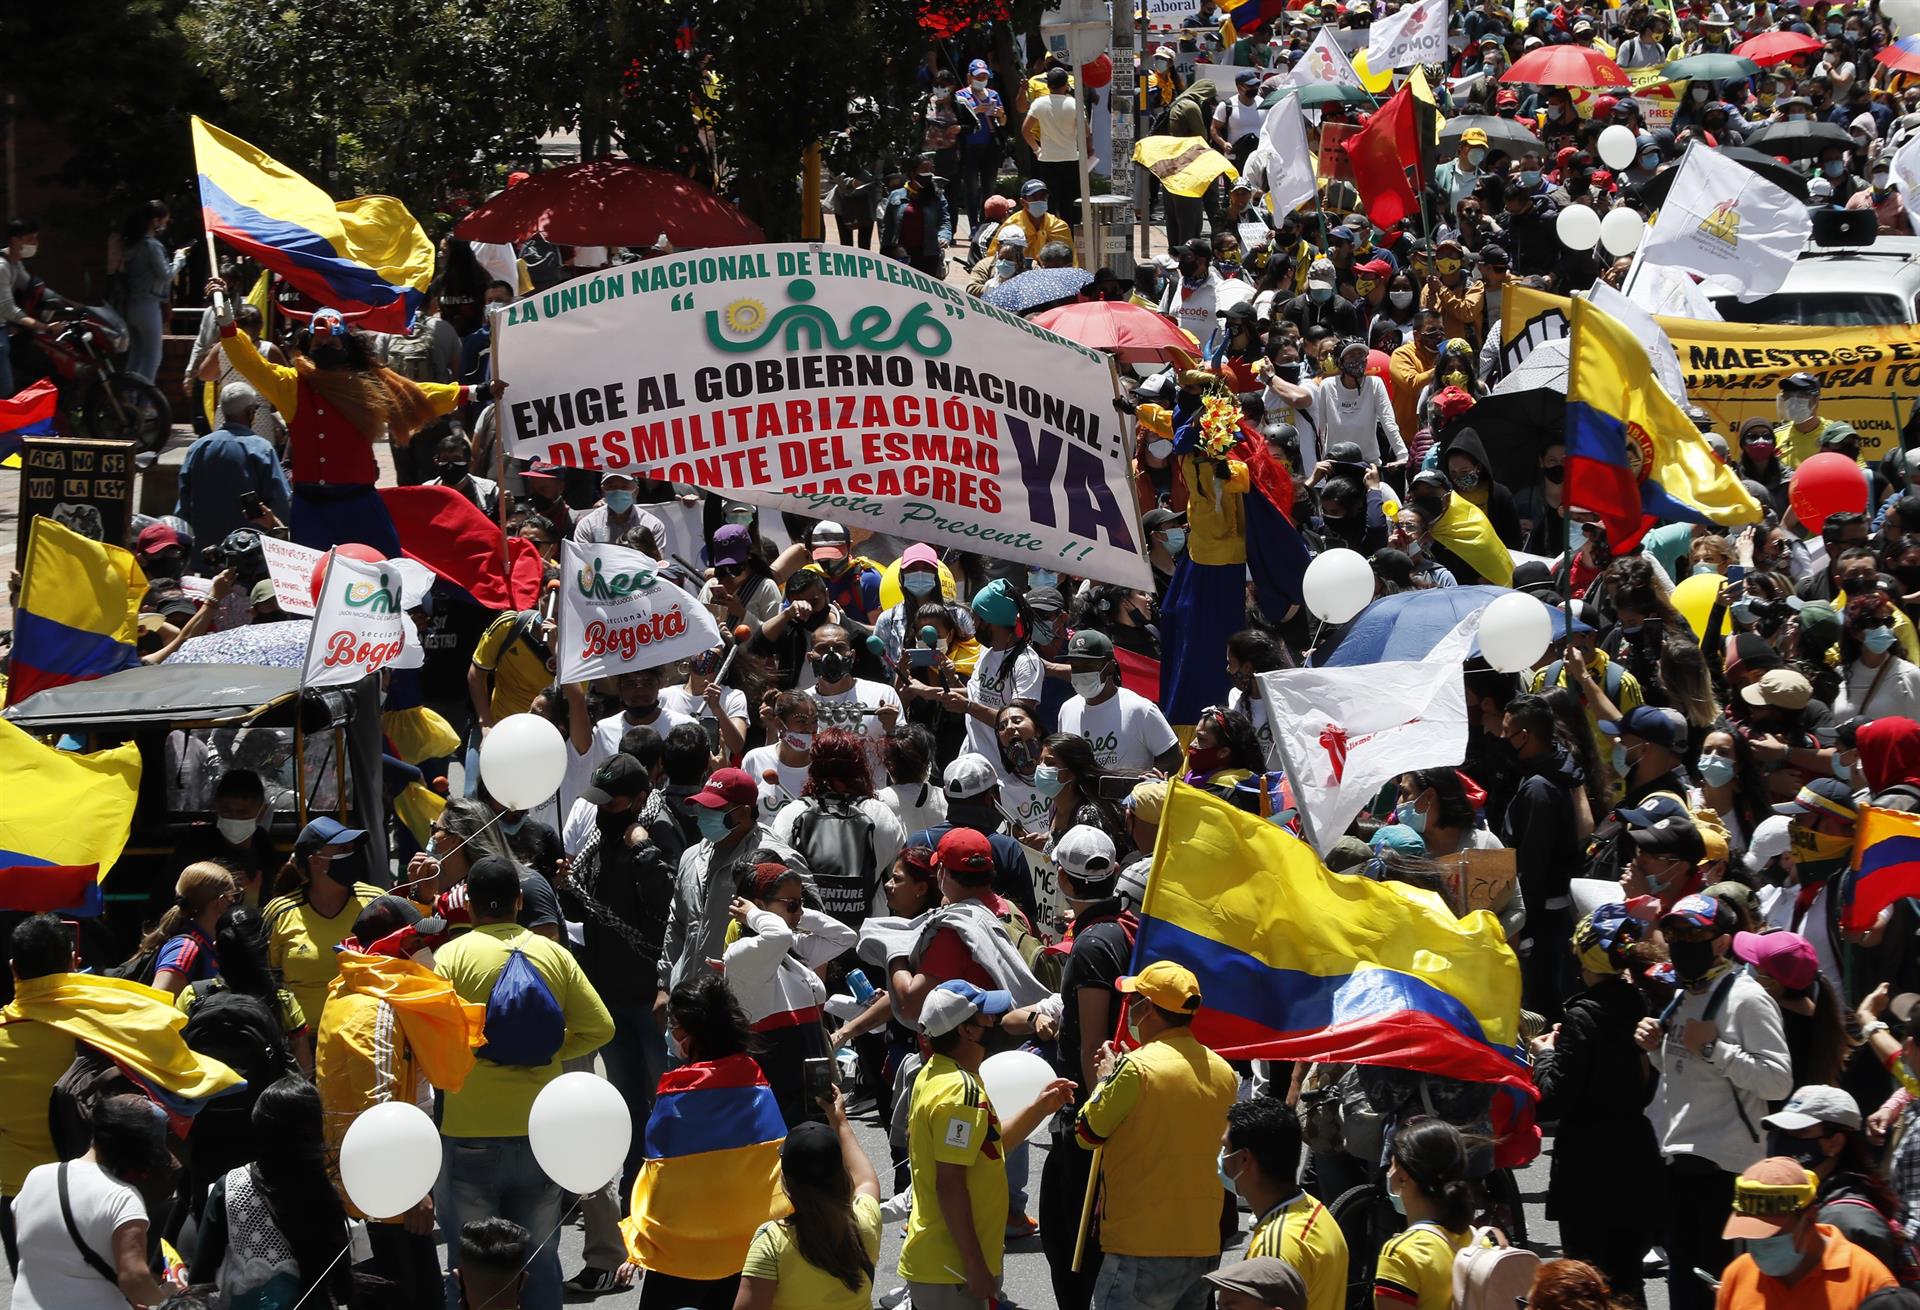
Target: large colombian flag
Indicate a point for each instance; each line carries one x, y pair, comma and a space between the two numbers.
64, 823
1633, 456
78, 616
711, 1176
1886, 864
365, 257
1297, 963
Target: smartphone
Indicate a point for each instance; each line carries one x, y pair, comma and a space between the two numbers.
920, 657
818, 1078
251, 506
1116, 786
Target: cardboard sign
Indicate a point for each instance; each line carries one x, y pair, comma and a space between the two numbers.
1333, 163
290, 565
1480, 880
82, 484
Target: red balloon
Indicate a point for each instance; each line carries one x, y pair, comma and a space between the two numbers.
352, 550
1097, 72
1827, 484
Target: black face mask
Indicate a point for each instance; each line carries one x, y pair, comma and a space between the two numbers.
452, 472
972, 814
1805, 1151
830, 666
1021, 755
1691, 960
344, 869
1349, 528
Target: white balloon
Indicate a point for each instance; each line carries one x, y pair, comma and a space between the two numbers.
1621, 230
1903, 14
1014, 1080
1338, 584
1617, 145
1514, 632
522, 761
389, 1158
1577, 227
580, 1129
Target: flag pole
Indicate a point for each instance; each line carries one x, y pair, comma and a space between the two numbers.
1292, 771
497, 316
1086, 1208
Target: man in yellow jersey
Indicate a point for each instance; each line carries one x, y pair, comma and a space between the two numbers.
1260, 1161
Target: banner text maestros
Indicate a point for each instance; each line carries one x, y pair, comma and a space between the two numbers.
832, 383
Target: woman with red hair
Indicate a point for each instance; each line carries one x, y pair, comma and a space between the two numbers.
1571, 1285
848, 836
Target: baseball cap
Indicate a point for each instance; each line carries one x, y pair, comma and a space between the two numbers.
1089, 644
1494, 255
1679, 838
920, 553
169, 602
262, 592
731, 545
382, 917
1155, 519
1032, 187
1801, 382
1655, 807
966, 852
1750, 650
1473, 136
156, 537
1147, 800
1768, 1196
1769, 842
1086, 853
1652, 723
1267, 1279
1816, 1103
1168, 985
1828, 796
955, 1001
1837, 435
619, 777
1786, 957
1247, 78
1046, 600
829, 540
326, 831
811, 1151
968, 776
726, 789
615, 475
1820, 625
1698, 911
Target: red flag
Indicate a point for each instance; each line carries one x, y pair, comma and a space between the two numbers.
445, 531
1379, 153
1139, 674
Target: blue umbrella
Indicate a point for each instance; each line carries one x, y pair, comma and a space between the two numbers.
1037, 287
1408, 625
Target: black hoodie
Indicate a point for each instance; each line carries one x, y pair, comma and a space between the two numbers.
1498, 505
1540, 826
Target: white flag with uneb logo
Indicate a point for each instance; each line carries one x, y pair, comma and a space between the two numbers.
617, 613
1343, 733
1415, 35
358, 625
1325, 61
1725, 222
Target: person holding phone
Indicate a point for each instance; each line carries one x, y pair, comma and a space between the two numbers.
230, 471
821, 1256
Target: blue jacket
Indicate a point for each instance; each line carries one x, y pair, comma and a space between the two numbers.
936, 223
220, 468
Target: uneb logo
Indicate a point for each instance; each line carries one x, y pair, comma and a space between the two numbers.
1723, 224
596, 583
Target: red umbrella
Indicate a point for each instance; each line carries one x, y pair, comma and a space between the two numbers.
1132, 333
611, 202
1903, 55
1565, 65
1777, 47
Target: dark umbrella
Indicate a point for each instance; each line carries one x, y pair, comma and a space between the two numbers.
1710, 67
1037, 287
1316, 94
1410, 624
1510, 135
1525, 413
1802, 140
1654, 190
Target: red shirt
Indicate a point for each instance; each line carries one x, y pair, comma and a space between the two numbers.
327, 449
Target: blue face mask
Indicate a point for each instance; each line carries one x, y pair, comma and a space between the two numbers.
1834, 167
1220, 1168
1037, 578
618, 501
1047, 780
1410, 815
1879, 640
1715, 770
513, 825
1176, 540
1776, 1256
1037, 208
1844, 771
1620, 761
1631, 629
1399, 1201
919, 584
713, 825
1530, 179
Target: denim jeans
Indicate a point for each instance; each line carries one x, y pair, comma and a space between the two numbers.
487, 1177
1154, 1282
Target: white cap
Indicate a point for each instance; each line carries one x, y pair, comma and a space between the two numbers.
1133, 880
969, 776
1768, 842
1087, 853
827, 530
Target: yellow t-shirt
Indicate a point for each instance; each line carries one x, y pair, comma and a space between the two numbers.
519, 672
774, 1258
1416, 1267
1302, 1232
300, 942
32, 1058
951, 1121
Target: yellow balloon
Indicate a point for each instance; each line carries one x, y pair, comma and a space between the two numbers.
890, 593
1374, 82
1694, 599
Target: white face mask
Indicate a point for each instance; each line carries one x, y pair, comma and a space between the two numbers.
1400, 299
29, 250
237, 831
1088, 685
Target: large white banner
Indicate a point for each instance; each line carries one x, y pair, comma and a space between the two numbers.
1415, 35
358, 625
617, 613
833, 383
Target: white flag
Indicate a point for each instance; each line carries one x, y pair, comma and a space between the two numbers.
1728, 224
618, 613
1671, 294
1415, 35
1325, 61
1342, 733
1666, 360
1289, 166
1906, 172
358, 625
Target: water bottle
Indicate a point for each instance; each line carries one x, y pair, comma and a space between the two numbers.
857, 984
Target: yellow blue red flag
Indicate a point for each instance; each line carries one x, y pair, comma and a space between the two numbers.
365, 257
64, 823
712, 1172
1298, 963
78, 616
1886, 864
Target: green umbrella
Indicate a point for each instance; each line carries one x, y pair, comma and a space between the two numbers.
1709, 68
1320, 93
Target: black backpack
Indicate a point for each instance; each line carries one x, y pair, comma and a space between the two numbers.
242, 1032
836, 839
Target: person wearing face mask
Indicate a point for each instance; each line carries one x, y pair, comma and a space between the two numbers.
1259, 1161
1820, 1128
640, 707
1127, 731
980, 151
916, 226
453, 469
1007, 261
1355, 406
1877, 680
1647, 752
235, 838
1834, 166
1457, 178
1822, 818
1397, 308
1321, 305
1722, 1055
1789, 1255
864, 708
16, 285
1411, 367
1471, 475
1036, 222
1426, 1182
1166, 533
616, 515
1542, 825
319, 894
780, 766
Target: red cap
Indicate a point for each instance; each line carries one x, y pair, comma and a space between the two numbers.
1604, 105
1506, 97
728, 788
965, 850
156, 537
1375, 268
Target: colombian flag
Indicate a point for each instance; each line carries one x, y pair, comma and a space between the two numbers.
1633, 456
1297, 963
712, 1172
65, 821
366, 257
78, 616
1886, 863
30, 411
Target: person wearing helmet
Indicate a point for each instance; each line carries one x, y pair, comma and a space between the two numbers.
1801, 427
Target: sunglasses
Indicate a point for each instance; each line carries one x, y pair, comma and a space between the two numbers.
729, 570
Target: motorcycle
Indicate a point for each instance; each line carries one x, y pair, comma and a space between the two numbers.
97, 399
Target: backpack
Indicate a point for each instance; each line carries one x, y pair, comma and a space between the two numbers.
1550, 678
1488, 1274
835, 837
1906, 1265
138, 967
411, 356
242, 1032
525, 1024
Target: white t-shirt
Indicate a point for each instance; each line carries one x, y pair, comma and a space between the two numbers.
1021, 683
773, 796
678, 700
847, 710
916, 805
1340, 414
608, 731
1060, 129
1236, 120
53, 1274
1127, 731
1255, 708
579, 772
